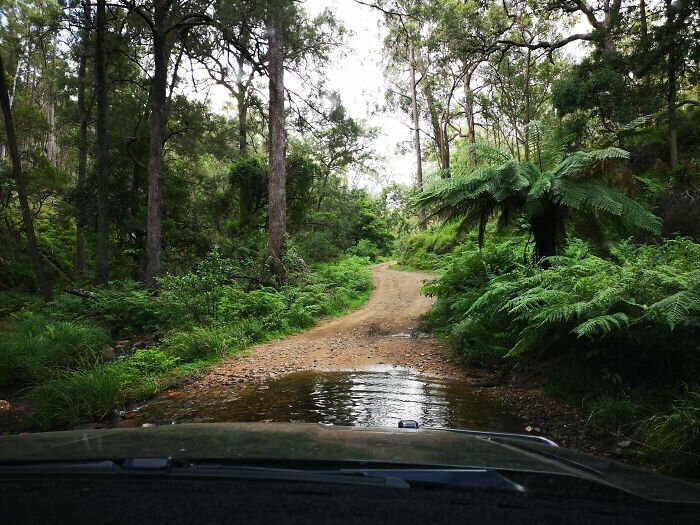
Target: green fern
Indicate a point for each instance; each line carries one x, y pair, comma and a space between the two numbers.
602, 325
504, 188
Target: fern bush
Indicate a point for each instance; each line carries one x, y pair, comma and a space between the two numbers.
634, 315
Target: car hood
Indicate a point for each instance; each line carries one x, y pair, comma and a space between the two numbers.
289, 441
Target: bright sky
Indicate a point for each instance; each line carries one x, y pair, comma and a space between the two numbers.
359, 77
357, 73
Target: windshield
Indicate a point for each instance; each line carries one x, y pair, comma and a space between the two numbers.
467, 215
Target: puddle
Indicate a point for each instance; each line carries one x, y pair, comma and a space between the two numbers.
411, 335
355, 398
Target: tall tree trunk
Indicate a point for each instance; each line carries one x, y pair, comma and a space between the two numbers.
277, 169
469, 111
440, 138
644, 26
21, 188
51, 147
527, 104
672, 87
157, 125
102, 251
241, 92
416, 127
83, 117
545, 230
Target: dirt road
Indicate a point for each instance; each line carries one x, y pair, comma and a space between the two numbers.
384, 332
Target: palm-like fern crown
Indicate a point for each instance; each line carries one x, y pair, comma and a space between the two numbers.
501, 185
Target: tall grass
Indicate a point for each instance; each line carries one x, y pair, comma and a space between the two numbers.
34, 348
80, 396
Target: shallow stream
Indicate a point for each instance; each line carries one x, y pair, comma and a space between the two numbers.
375, 397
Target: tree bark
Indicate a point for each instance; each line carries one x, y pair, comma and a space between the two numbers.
545, 229
469, 111
672, 87
441, 144
102, 249
157, 124
416, 128
22, 189
242, 109
83, 116
527, 104
277, 169
51, 147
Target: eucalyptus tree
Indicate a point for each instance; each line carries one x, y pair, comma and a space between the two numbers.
405, 24
21, 186
102, 248
277, 12
166, 23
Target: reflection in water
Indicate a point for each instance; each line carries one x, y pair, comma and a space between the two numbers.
378, 398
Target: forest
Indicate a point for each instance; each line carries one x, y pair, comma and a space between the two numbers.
149, 232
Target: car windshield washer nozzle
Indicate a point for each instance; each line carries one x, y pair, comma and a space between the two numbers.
408, 423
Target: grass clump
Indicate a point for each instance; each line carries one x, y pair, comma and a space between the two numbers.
202, 343
34, 347
674, 435
78, 396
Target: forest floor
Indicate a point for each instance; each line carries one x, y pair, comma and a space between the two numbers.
386, 332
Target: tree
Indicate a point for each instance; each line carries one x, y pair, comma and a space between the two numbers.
83, 122
102, 250
548, 191
277, 227
22, 188
167, 23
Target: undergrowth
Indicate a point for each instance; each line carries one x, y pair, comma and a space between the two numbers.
618, 331
63, 352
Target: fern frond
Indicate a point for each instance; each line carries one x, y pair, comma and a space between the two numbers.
637, 123
678, 307
609, 154
601, 325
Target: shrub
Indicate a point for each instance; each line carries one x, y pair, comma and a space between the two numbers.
75, 397
634, 316
149, 361
126, 307
202, 343
365, 248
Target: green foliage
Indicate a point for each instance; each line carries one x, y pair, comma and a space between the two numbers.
365, 248
148, 362
205, 315
126, 307
674, 435
423, 250
34, 348
552, 187
202, 343
634, 316
78, 396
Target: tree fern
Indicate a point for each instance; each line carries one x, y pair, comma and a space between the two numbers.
551, 189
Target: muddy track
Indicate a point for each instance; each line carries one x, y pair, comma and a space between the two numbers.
384, 332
